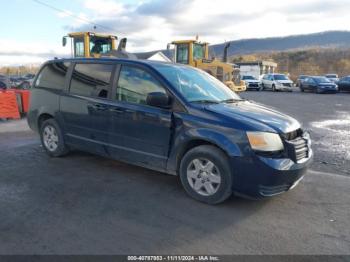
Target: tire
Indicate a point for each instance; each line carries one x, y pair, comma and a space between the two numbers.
262, 87
52, 138
274, 88
301, 89
194, 167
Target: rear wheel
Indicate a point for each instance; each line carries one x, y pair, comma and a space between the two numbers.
205, 174
52, 138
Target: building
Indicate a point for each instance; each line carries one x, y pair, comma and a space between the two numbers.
164, 56
256, 68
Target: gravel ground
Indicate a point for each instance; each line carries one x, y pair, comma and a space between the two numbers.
85, 204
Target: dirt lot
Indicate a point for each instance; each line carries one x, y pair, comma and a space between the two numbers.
84, 204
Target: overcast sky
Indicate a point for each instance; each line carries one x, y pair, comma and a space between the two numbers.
31, 33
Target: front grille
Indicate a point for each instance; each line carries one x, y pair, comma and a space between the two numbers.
287, 84
253, 85
296, 145
293, 135
301, 148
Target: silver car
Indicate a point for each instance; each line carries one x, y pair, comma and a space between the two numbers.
276, 82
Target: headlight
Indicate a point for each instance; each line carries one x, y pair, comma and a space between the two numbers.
263, 141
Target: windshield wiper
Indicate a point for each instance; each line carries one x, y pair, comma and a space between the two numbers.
204, 101
231, 100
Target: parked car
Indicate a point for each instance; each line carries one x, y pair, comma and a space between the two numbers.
333, 78
4, 82
2, 85
344, 84
276, 82
251, 83
300, 79
171, 118
26, 84
318, 84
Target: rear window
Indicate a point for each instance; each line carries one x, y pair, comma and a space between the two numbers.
91, 80
53, 75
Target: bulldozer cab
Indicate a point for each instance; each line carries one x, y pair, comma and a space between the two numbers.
88, 44
196, 54
188, 51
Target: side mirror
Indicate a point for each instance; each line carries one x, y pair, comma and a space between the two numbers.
168, 46
158, 99
64, 41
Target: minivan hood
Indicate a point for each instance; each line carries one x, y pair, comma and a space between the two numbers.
256, 114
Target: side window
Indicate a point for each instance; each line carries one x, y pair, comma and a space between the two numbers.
53, 76
182, 53
135, 84
79, 47
91, 80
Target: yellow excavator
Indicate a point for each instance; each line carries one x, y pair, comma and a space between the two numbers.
196, 54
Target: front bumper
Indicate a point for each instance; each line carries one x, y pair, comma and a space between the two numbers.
259, 177
327, 90
284, 88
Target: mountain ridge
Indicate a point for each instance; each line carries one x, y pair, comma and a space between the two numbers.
326, 39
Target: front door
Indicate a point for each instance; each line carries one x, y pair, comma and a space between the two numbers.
140, 133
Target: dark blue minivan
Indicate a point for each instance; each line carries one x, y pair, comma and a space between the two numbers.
171, 118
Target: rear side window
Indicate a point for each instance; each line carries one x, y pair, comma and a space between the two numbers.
135, 84
53, 76
91, 80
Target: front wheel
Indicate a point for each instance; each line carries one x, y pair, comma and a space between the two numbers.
273, 88
52, 138
205, 174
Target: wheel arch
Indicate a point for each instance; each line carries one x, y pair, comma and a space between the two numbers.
228, 147
43, 117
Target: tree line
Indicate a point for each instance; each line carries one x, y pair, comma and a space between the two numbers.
315, 61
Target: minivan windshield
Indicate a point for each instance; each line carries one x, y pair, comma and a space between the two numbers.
196, 85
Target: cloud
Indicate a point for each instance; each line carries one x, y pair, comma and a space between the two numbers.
164, 8
161, 21
151, 24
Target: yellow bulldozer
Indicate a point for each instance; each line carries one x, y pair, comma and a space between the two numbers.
196, 54
190, 52
90, 44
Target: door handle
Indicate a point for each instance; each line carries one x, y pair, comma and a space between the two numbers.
117, 110
99, 107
